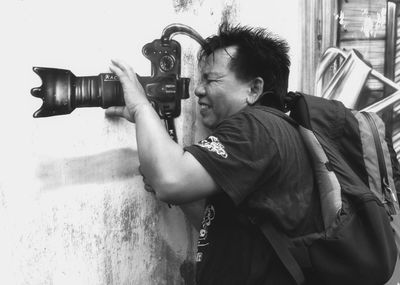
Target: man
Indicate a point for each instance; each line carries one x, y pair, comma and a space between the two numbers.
253, 163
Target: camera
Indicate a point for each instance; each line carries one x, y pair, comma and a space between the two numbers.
62, 91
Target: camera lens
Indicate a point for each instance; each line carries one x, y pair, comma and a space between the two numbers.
167, 63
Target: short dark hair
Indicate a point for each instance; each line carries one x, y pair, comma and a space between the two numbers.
259, 54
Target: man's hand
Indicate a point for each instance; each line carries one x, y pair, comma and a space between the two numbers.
134, 94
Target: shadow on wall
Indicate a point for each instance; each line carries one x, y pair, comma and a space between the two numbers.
112, 165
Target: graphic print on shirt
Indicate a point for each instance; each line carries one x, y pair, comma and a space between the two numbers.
209, 215
213, 144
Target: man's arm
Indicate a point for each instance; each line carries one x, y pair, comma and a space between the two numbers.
194, 211
175, 175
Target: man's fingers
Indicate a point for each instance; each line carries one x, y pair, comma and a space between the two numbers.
145, 180
118, 65
115, 111
115, 69
126, 74
132, 74
148, 188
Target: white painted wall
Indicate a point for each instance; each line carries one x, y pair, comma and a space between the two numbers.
72, 205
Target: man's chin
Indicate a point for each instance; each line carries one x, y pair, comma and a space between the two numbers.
206, 123
209, 125
208, 120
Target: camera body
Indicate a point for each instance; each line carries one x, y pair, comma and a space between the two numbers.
62, 91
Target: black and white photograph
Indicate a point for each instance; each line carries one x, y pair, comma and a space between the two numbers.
200, 142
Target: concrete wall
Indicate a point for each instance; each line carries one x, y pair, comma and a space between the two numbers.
72, 205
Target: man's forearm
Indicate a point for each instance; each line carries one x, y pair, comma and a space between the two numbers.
159, 155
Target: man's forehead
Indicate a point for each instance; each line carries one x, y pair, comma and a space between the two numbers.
221, 56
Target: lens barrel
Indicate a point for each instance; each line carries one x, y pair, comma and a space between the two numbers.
103, 90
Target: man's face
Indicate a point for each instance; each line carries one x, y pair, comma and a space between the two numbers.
221, 94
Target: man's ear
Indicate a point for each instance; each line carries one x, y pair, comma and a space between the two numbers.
256, 90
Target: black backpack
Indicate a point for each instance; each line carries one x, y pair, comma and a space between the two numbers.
355, 175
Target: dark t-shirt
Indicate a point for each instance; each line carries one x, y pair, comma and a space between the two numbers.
261, 164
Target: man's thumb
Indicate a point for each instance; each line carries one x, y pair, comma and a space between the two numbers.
115, 111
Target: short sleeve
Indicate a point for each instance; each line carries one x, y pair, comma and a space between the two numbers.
238, 155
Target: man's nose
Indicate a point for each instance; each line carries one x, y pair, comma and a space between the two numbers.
199, 91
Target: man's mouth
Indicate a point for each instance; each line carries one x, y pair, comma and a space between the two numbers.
204, 107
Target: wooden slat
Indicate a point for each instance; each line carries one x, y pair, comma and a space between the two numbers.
354, 18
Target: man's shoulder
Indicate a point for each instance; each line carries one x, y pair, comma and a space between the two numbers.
256, 123
249, 122
267, 112
253, 114
272, 119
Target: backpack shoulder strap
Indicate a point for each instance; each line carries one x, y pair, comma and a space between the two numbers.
280, 243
